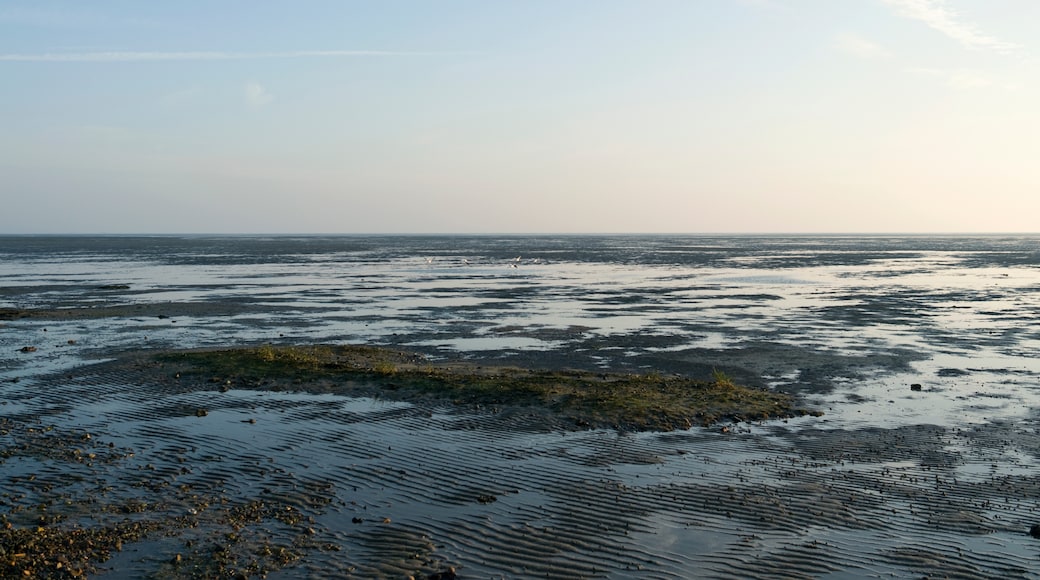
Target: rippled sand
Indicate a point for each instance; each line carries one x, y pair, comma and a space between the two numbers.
301, 485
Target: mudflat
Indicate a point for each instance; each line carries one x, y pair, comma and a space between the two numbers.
269, 462
126, 452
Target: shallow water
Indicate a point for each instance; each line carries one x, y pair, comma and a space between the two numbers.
850, 322
889, 482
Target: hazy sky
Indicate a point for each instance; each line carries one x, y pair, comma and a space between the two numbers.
453, 116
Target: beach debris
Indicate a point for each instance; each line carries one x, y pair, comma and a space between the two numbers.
27, 349
114, 287
357, 520
916, 387
201, 412
1035, 531
486, 498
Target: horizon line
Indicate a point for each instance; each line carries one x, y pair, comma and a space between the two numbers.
479, 234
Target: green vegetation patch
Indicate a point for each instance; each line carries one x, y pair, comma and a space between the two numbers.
590, 399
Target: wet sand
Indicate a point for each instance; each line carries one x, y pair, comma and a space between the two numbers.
149, 476
194, 478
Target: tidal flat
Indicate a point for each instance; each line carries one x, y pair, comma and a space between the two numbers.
373, 474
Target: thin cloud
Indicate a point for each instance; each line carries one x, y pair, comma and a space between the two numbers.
133, 56
939, 17
957, 79
860, 47
257, 96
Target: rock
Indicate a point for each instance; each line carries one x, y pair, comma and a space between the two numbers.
1035, 531
916, 387
448, 574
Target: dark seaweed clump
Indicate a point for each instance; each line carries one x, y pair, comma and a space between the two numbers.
650, 401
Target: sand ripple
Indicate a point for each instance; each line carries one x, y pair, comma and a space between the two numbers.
299, 485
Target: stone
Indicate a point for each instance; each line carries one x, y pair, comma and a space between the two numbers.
448, 574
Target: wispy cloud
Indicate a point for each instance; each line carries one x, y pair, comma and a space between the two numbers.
860, 47
136, 56
256, 95
958, 79
938, 16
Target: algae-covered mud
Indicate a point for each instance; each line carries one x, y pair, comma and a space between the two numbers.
164, 415
625, 401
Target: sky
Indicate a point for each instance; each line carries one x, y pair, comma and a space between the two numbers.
519, 116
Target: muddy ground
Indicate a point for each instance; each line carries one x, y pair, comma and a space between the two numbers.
120, 470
